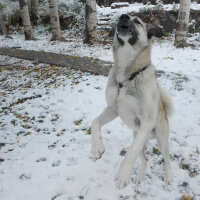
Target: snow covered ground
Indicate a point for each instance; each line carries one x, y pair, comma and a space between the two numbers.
45, 118
46, 113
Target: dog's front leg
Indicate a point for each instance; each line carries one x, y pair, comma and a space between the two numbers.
123, 176
97, 143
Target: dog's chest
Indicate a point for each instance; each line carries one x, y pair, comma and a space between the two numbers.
125, 58
130, 106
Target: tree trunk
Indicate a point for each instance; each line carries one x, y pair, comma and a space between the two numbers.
182, 24
34, 4
91, 32
2, 24
28, 32
55, 22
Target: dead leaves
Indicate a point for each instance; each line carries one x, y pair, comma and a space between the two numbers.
186, 197
191, 170
77, 122
22, 100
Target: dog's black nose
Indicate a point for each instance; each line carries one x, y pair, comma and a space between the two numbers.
124, 23
125, 17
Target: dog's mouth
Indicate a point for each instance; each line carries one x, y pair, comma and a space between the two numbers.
124, 28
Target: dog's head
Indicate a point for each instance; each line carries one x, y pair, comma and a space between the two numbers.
133, 30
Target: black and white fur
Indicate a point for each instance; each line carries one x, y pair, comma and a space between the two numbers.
139, 102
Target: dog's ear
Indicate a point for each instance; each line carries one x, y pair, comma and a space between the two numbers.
154, 30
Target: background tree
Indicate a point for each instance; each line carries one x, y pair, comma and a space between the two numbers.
55, 22
2, 23
91, 25
33, 10
28, 32
182, 23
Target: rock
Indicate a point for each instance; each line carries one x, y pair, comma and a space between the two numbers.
119, 5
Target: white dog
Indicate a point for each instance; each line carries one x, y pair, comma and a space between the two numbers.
134, 95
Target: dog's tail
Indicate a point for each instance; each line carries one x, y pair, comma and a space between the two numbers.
167, 102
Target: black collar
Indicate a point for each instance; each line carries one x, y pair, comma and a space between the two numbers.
133, 75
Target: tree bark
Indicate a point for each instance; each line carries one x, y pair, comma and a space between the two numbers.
182, 24
28, 32
34, 4
91, 24
2, 24
55, 22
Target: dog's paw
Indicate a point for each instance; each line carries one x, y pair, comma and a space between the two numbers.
138, 179
123, 176
97, 148
140, 176
168, 179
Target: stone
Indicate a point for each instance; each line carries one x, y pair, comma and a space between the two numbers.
119, 5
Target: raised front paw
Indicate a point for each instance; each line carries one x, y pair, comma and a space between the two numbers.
97, 148
123, 176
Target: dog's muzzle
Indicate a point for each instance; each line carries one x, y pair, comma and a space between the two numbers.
126, 28
124, 24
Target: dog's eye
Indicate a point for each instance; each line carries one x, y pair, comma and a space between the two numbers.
137, 21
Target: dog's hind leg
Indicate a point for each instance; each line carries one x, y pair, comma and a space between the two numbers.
142, 170
162, 136
123, 175
106, 116
143, 159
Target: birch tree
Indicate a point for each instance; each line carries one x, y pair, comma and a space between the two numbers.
34, 4
28, 32
182, 23
2, 23
91, 24
54, 18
